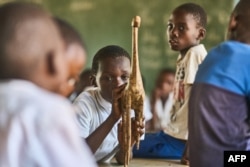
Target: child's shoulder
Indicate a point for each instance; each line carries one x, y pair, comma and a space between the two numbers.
33, 98
196, 52
89, 97
199, 49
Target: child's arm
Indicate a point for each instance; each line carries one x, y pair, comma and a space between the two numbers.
95, 139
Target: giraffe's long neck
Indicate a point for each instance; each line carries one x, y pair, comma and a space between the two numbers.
135, 77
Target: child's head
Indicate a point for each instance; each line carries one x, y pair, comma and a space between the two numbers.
165, 81
75, 55
239, 24
30, 46
84, 81
186, 27
110, 69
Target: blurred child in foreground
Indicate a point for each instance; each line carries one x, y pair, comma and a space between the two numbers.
37, 125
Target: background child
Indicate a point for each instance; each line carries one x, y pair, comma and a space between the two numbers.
98, 109
32, 66
75, 55
219, 101
186, 28
82, 84
146, 108
162, 99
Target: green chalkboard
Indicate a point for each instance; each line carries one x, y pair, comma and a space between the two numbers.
105, 22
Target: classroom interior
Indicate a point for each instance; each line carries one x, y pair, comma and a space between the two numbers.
102, 23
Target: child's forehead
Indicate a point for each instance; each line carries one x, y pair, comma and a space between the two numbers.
109, 60
112, 64
183, 18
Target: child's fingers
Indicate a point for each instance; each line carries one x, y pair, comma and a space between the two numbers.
120, 90
140, 131
117, 92
137, 123
120, 131
137, 128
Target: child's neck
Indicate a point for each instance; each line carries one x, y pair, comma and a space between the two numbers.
184, 51
164, 99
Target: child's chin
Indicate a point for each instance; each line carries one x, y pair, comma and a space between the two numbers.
175, 48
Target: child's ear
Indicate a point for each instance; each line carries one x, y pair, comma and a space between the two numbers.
202, 33
232, 23
93, 80
50, 63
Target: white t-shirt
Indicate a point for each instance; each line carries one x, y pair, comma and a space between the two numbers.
146, 109
37, 129
163, 113
186, 69
92, 110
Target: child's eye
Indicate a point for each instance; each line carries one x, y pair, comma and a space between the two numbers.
170, 26
109, 78
181, 28
125, 78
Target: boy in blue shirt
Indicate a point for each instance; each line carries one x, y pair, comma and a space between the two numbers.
219, 102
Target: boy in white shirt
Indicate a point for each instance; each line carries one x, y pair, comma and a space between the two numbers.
98, 109
186, 28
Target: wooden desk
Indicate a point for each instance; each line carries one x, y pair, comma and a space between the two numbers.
140, 162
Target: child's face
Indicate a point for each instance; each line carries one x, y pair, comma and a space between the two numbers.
165, 83
112, 72
56, 71
182, 31
75, 56
83, 82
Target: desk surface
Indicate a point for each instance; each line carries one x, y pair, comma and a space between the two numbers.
140, 162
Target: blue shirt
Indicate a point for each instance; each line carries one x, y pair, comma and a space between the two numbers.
218, 106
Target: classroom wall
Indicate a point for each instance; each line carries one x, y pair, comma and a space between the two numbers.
105, 22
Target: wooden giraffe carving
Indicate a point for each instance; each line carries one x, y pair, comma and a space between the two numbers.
133, 96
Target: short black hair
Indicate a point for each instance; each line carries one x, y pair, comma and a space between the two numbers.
108, 51
197, 11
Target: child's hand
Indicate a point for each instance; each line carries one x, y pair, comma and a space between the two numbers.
137, 129
116, 98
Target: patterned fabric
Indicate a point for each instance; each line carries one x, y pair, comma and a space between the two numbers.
169, 143
187, 67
